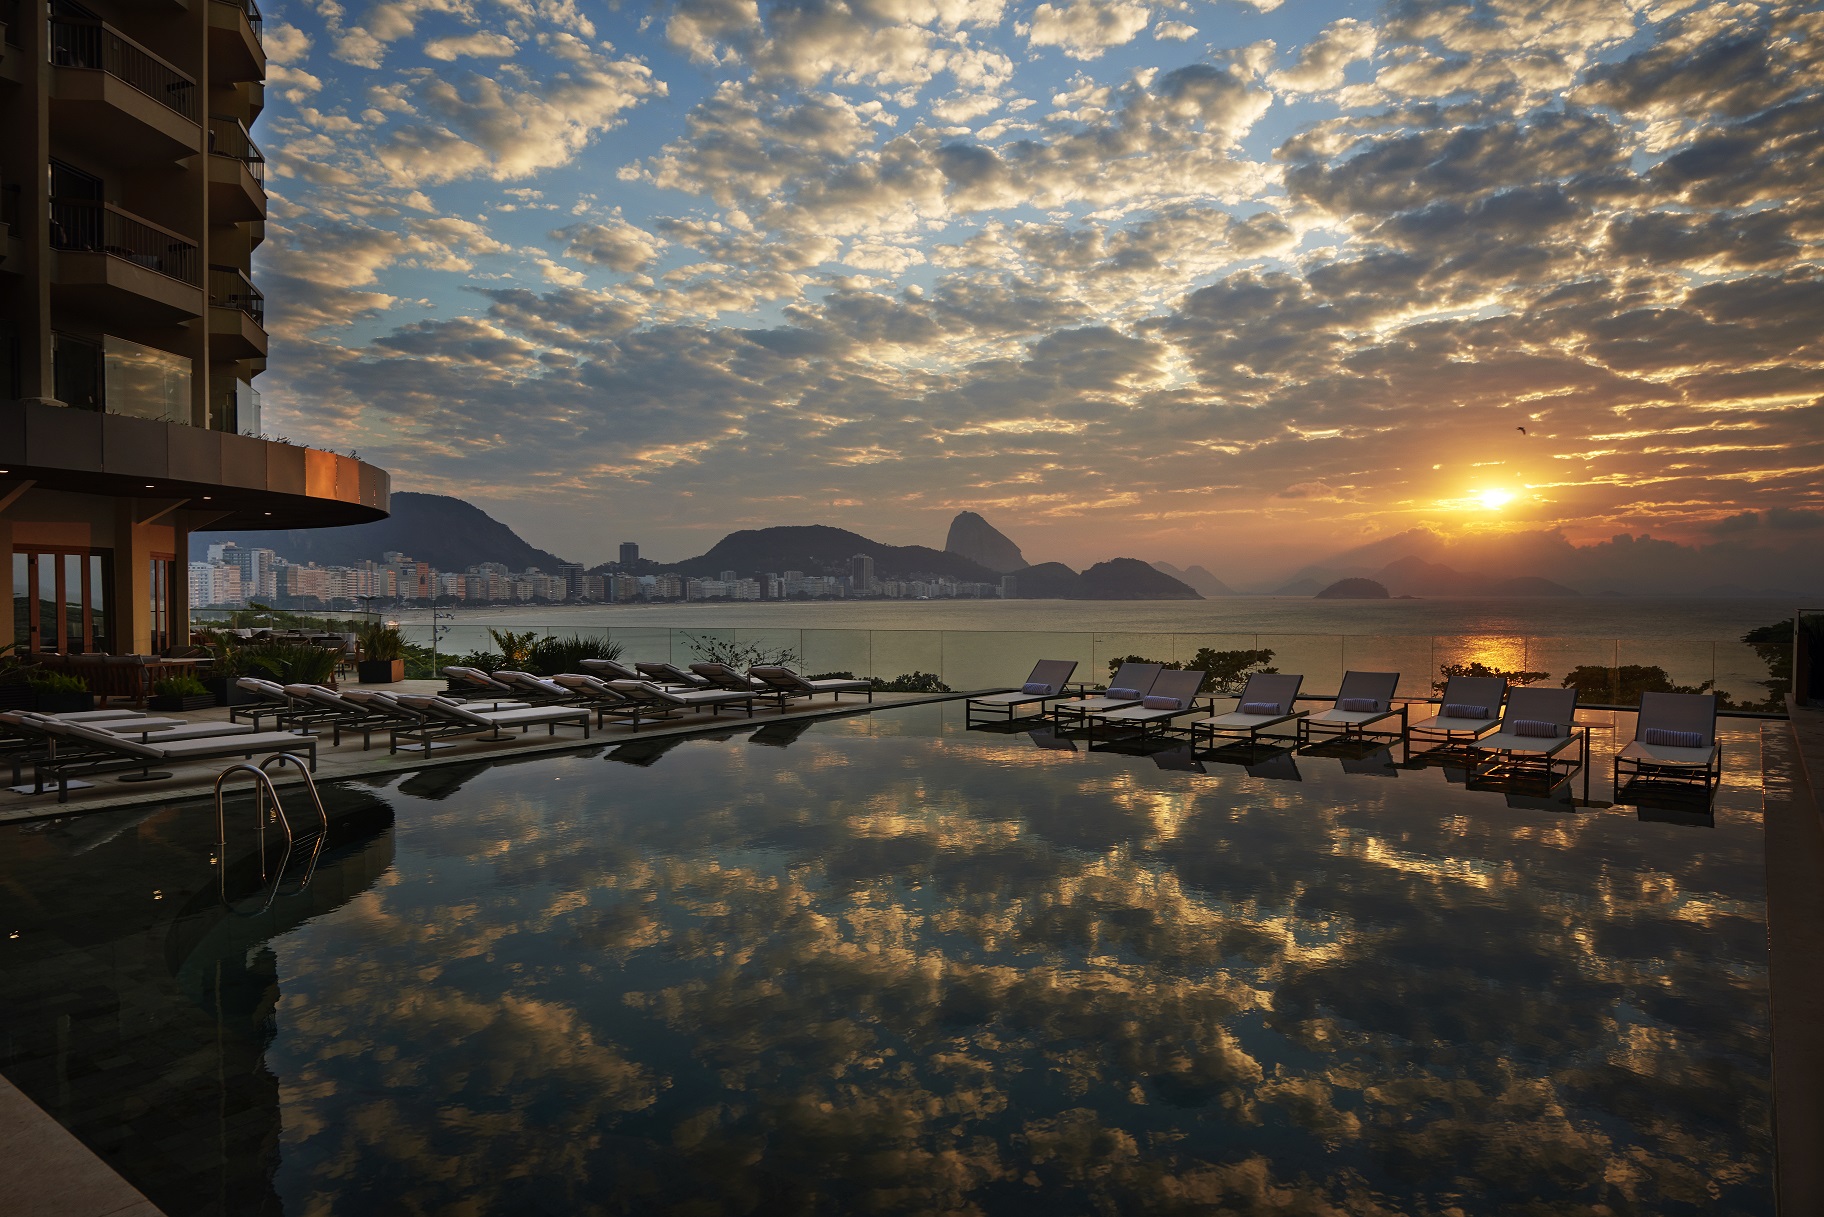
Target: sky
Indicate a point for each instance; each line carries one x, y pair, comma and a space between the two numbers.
1232, 283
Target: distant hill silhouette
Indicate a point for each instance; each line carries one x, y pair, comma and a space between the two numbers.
1048, 581
1413, 576
449, 533
817, 549
1132, 579
976, 539
1197, 578
1354, 589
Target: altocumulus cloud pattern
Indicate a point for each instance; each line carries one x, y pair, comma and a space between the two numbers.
1159, 275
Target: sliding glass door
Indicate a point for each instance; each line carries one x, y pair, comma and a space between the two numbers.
60, 600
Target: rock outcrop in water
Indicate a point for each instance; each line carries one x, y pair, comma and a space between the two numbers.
974, 538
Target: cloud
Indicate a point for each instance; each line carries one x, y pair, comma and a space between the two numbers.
479, 45
1084, 29
1174, 31
616, 244
1322, 62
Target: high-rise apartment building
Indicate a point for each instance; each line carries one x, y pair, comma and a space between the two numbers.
861, 573
630, 553
131, 201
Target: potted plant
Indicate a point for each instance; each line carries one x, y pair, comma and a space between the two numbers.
59, 693
290, 663
382, 655
226, 666
179, 693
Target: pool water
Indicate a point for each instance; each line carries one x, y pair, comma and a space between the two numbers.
883, 964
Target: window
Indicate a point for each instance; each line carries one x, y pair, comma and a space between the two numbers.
162, 569
76, 367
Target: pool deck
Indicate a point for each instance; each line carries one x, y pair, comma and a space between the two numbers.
196, 780
1793, 756
47, 1172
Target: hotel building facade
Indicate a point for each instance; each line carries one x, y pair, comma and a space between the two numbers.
131, 333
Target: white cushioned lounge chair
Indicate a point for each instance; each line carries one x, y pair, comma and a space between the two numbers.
787, 684
1469, 709
1535, 727
1363, 699
535, 689
444, 719
269, 701
1267, 700
1046, 684
1674, 741
671, 674
651, 700
468, 684
1174, 693
104, 752
1127, 687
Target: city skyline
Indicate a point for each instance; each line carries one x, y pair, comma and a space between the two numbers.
1234, 284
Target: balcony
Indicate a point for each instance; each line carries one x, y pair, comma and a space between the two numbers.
237, 316
237, 173
235, 53
12, 56
124, 268
11, 248
115, 98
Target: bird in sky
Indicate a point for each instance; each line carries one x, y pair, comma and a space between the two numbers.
1521, 430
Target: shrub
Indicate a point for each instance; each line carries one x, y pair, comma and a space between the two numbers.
488, 661
740, 655
1227, 671
381, 642
290, 663
910, 682
551, 656
1623, 686
515, 649
55, 682
1515, 676
178, 686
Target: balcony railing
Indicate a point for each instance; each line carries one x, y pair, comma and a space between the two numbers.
88, 226
228, 137
250, 9
229, 288
97, 45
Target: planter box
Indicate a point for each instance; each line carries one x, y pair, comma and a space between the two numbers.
224, 692
64, 703
193, 701
17, 697
380, 671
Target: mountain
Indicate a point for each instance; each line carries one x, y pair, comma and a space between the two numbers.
1048, 581
976, 539
446, 532
1354, 589
1132, 579
817, 549
1197, 578
1413, 576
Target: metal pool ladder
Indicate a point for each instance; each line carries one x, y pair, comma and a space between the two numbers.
268, 808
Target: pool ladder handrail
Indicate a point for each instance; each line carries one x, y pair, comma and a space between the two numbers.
264, 791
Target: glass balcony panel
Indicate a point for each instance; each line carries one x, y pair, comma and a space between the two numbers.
843, 651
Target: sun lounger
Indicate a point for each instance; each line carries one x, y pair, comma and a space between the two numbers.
610, 669
30, 738
1674, 741
534, 689
1267, 700
1046, 684
722, 676
1469, 709
1363, 699
103, 752
1537, 725
652, 700
1173, 694
467, 684
90, 716
270, 701
1128, 687
671, 674
785, 684
595, 694
444, 719
353, 710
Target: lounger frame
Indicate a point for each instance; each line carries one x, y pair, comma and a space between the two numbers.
1237, 728
1661, 764
1354, 724
1055, 674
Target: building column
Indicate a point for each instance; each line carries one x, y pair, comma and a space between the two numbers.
132, 606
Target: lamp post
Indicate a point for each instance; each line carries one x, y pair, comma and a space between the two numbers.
437, 615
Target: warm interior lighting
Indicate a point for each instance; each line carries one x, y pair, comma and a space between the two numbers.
1494, 500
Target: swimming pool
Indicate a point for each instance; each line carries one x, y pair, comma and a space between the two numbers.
884, 964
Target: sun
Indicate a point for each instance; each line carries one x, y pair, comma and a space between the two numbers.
1495, 500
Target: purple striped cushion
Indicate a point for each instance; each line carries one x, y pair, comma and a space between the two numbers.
1454, 711
1036, 687
1163, 703
1358, 705
1259, 707
1672, 739
1127, 694
1533, 727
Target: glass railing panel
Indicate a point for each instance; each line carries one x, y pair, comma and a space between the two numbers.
852, 651
1747, 677
979, 659
637, 643
769, 645
1503, 653
1664, 665
1232, 654
1409, 655
1316, 657
1586, 662
1107, 649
